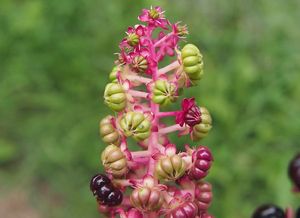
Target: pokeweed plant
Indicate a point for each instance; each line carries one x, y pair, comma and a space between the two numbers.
157, 180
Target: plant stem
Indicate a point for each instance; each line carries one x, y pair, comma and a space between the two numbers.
139, 78
140, 94
169, 67
167, 114
140, 154
163, 39
172, 128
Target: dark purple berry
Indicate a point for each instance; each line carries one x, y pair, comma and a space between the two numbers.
268, 211
114, 198
104, 191
298, 213
98, 181
294, 170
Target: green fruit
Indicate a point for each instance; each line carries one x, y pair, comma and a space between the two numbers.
202, 129
164, 92
135, 124
192, 62
115, 97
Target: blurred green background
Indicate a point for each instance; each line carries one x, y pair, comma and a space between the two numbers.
55, 57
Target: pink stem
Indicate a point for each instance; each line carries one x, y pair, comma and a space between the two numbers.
139, 78
167, 114
169, 67
163, 39
140, 94
140, 154
172, 128
153, 140
289, 213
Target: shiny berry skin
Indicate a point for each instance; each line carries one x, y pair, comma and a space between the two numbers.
202, 160
98, 181
114, 198
294, 170
268, 211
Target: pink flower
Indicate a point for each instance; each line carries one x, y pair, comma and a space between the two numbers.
154, 17
167, 47
134, 37
190, 113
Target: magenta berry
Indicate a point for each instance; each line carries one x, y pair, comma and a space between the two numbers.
202, 160
294, 171
268, 211
155, 180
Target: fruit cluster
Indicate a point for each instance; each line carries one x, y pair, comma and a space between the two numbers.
156, 180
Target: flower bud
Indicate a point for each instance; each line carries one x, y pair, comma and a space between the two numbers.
108, 132
113, 74
114, 161
182, 30
170, 168
135, 124
192, 62
139, 64
115, 97
147, 199
164, 92
133, 39
202, 129
186, 209
202, 160
203, 195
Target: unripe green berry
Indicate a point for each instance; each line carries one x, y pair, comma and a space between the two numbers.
202, 129
115, 97
170, 168
108, 132
192, 62
113, 74
164, 92
135, 124
114, 161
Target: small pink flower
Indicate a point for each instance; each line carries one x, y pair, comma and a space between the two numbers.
167, 47
190, 113
154, 17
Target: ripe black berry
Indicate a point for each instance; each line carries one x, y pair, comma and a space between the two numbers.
98, 181
104, 191
268, 211
294, 170
114, 198
298, 213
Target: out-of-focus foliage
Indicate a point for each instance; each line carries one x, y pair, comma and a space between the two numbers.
55, 57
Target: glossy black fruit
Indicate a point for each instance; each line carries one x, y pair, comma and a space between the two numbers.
98, 181
268, 211
294, 170
298, 213
114, 198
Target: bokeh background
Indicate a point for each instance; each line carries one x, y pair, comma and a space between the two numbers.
55, 57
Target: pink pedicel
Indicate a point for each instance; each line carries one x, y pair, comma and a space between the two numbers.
159, 179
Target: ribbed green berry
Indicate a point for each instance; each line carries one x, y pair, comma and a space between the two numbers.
164, 92
113, 74
192, 62
135, 124
170, 168
139, 64
115, 97
133, 39
108, 132
202, 129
